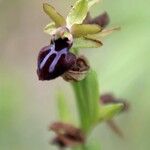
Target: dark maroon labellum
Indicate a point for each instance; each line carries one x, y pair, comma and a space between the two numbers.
55, 59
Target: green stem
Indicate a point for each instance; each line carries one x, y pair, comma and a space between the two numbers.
81, 102
87, 101
81, 106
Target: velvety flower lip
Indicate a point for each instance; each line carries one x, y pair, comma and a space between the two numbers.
55, 59
61, 44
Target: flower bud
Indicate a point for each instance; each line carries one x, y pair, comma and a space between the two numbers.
101, 20
111, 99
78, 71
67, 135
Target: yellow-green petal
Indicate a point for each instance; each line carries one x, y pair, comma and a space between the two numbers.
86, 43
54, 15
79, 30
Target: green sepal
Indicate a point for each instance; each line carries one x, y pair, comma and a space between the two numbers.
77, 13
79, 30
50, 28
91, 92
84, 42
108, 111
54, 15
91, 3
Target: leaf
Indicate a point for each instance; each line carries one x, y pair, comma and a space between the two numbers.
91, 3
77, 13
63, 109
50, 28
87, 97
54, 15
107, 112
90, 89
81, 106
86, 43
79, 30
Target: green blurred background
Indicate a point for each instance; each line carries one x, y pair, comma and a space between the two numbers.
27, 106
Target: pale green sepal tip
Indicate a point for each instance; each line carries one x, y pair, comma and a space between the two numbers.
92, 2
54, 15
109, 111
77, 13
103, 33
